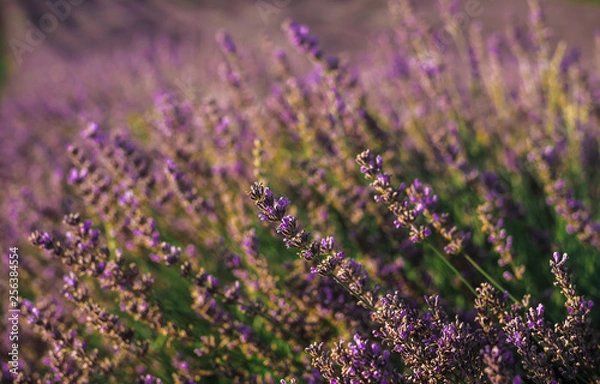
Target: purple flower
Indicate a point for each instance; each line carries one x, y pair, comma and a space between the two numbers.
71, 280
226, 42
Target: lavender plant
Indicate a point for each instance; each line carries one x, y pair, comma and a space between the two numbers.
431, 204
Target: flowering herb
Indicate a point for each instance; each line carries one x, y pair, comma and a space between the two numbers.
162, 236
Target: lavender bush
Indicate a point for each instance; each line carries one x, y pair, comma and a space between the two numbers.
433, 197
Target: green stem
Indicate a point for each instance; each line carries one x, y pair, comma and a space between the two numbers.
488, 277
438, 254
356, 295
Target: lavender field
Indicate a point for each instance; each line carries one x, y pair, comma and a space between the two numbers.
300, 192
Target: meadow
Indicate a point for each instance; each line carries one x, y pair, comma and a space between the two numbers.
428, 216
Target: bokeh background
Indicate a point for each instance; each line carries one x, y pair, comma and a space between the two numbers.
91, 27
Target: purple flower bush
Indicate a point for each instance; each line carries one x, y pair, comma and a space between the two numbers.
432, 197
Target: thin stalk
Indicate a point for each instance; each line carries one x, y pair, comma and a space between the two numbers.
438, 254
488, 277
356, 295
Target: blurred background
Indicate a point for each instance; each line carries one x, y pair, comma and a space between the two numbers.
62, 32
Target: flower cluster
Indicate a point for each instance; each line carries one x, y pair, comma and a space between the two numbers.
408, 204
